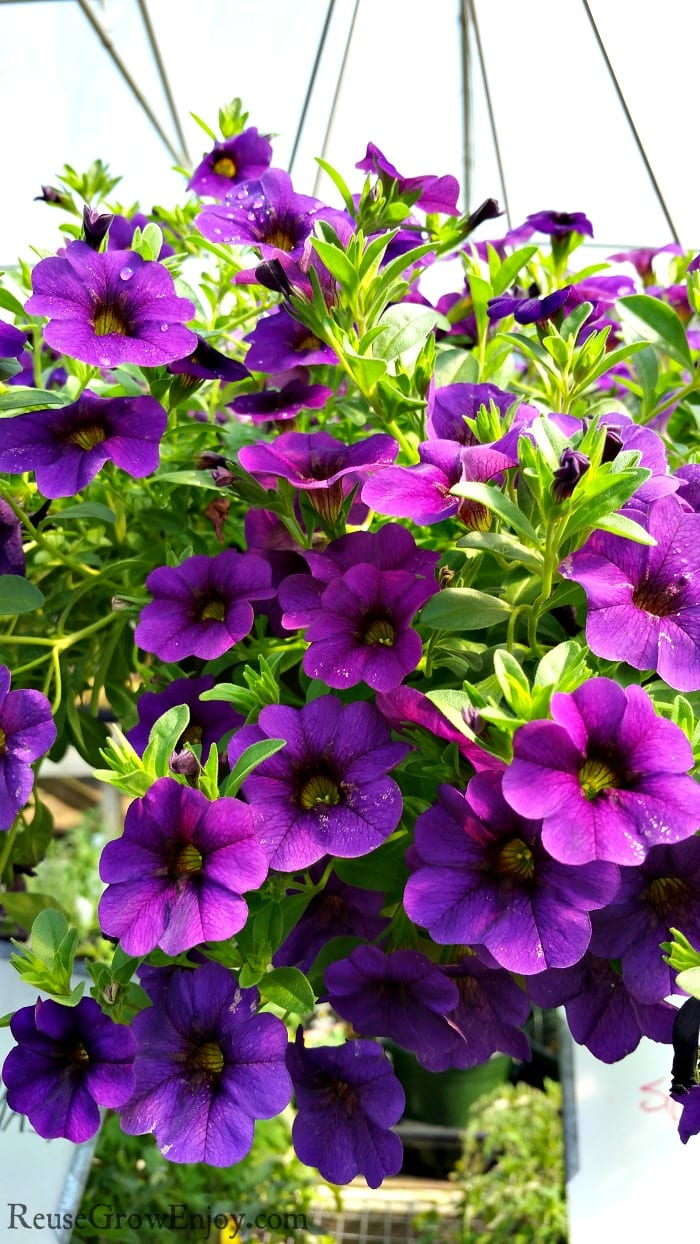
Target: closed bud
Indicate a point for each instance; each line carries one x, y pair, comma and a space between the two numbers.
572, 465
95, 227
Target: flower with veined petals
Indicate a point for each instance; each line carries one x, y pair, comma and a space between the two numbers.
242, 158
27, 731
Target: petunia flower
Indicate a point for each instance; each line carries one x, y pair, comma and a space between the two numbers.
449, 406
327, 792
202, 607
27, 731
266, 213
347, 1099
177, 875
111, 308
607, 776
207, 1066
278, 342
122, 230
66, 447
12, 559
281, 404
243, 158
560, 224
12, 341
407, 708
340, 910
527, 309
437, 194
207, 363
486, 1020
423, 492
68, 1062
209, 720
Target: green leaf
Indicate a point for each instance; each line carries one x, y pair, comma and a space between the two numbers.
456, 367
611, 492
463, 609
85, 509
365, 371
203, 126
151, 241
337, 264
49, 931
404, 326
689, 981
339, 184
249, 760
8, 302
657, 323
30, 399
288, 989
509, 269
513, 682
501, 505
19, 595
563, 667
25, 908
504, 545
164, 736
619, 525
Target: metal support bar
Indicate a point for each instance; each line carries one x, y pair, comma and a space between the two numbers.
312, 83
471, 8
165, 83
336, 96
467, 119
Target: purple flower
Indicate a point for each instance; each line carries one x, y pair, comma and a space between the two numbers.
662, 893
689, 490
207, 1066
266, 213
608, 777
122, 230
12, 559
67, 447
622, 433
327, 791
176, 876
423, 492
644, 602
111, 308
209, 720
689, 1122
641, 258
406, 708
27, 731
401, 995
360, 630
284, 403
318, 464
243, 158
95, 226
202, 607
485, 878
390, 548
206, 363
601, 1012
278, 342
12, 341
347, 1098
486, 1020
449, 407
436, 194
572, 465
528, 310
340, 910
560, 224
69, 1060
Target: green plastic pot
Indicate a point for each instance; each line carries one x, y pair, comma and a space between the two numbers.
445, 1097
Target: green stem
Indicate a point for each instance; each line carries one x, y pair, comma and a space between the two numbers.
9, 843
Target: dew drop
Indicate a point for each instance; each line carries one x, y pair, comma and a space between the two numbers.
126, 274
164, 328
103, 361
252, 216
258, 200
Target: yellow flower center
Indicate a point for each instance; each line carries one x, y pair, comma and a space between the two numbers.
209, 1058
379, 631
224, 166
319, 789
212, 610
280, 239
108, 320
515, 859
309, 342
87, 437
188, 861
80, 1055
3, 736
596, 776
666, 893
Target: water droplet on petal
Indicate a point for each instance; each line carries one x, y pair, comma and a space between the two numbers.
164, 328
126, 274
103, 361
251, 216
258, 200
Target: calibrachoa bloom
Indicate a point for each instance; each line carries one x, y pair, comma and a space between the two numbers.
347, 1099
486, 1020
176, 876
528, 309
437, 194
559, 224
448, 408
485, 878
27, 731
12, 559
12, 341
278, 341
608, 777
110, 308
243, 158
207, 1066
209, 720
327, 792
407, 707
202, 607
423, 492
266, 213
644, 602
339, 910
401, 995
67, 447
69, 1061
284, 403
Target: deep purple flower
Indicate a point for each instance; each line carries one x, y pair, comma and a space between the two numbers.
243, 158
176, 876
202, 607
111, 308
622, 433
608, 776
66, 447
361, 630
485, 878
327, 792
95, 226
644, 602
423, 492
27, 731
406, 708
340, 910
560, 224
528, 310
122, 230
12, 341
12, 559
572, 466
284, 403
641, 258
266, 213
318, 464
207, 1066
69, 1061
486, 1020
207, 363
347, 1098
390, 548
278, 342
689, 1122
437, 194
689, 490
450, 406
601, 1012
662, 893
209, 720
401, 995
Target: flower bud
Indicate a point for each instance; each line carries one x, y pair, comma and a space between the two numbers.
95, 227
572, 465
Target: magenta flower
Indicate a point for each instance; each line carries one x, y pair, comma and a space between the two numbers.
437, 194
485, 879
327, 792
560, 224
68, 1061
177, 874
111, 308
347, 1099
67, 447
266, 213
607, 776
423, 492
207, 1066
450, 406
27, 731
243, 158
202, 607
409, 712
644, 602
